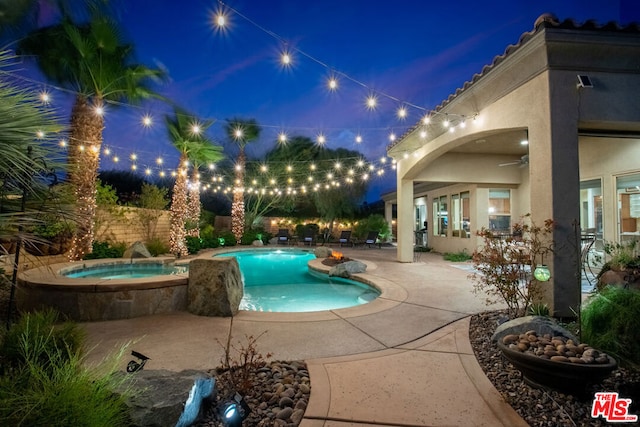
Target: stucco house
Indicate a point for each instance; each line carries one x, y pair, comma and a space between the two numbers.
550, 128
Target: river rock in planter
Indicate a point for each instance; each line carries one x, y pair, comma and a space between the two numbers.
548, 355
346, 269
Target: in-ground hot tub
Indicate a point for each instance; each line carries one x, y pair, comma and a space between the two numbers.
105, 289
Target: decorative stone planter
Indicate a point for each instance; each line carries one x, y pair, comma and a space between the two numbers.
537, 371
572, 378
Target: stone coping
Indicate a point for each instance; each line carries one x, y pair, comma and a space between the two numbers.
52, 276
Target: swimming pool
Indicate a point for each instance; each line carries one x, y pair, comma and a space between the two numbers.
280, 281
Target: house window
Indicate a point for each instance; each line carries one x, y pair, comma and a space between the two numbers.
456, 215
500, 211
440, 216
591, 207
466, 215
628, 189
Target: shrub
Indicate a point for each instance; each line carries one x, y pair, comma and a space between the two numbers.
36, 336
229, 238
375, 222
457, 256
107, 250
45, 381
194, 244
500, 265
157, 247
253, 234
610, 323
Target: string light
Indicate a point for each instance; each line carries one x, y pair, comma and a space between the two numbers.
332, 83
358, 139
147, 121
372, 102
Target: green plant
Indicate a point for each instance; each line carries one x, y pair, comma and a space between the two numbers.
157, 247
538, 309
153, 200
503, 266
229, 238
623, 255
36, 336
194, 244
456, 256
610, 323
374, 222
45, 380
107, 250
421, 249
252, 234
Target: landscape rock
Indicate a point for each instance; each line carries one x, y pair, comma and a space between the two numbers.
137, 250
257, 243
215, 287
160, 396
322, 252
346, 269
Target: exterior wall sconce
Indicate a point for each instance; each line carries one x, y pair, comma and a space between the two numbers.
542, 273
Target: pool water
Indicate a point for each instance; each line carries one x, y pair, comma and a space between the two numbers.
280, 281
127, 271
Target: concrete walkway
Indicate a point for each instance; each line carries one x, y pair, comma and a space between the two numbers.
402, 360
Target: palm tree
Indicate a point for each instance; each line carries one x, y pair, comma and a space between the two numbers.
241, 132
205, 154
187, 136
27, 151
92, 61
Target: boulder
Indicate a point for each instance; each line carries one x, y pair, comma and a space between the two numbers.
137, 250
346, 269
215, 287
166, 398
322, 252
257, 243
628, 278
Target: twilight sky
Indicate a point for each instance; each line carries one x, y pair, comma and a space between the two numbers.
411, 53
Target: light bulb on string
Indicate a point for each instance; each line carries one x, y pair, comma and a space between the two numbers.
282, 138
402, 113
45, 98
321, 139
358, 139
371, 102
332, 83
147, 121
426, 119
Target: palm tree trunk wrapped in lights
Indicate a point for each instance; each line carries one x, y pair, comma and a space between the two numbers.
187, 136
193, 205
83, 159
237, 206
241, 132
177, 230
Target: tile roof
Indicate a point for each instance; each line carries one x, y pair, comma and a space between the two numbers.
546, 20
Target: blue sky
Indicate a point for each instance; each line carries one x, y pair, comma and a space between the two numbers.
415, 51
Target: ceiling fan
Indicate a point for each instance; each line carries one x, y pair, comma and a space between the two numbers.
524, 160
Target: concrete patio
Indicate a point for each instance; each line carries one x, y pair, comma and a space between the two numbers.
404, 361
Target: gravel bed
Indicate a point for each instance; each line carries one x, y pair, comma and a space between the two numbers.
538, 407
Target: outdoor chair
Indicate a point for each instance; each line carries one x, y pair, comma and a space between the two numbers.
309, 238
283, 236
345, 238
372, 239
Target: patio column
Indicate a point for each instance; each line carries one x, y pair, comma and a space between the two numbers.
388, 214
405, 220
555, 194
